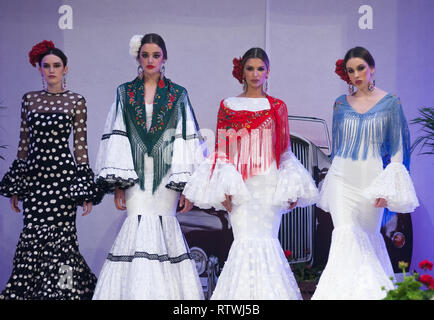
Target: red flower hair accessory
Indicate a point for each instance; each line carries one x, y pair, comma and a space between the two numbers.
237, 72
341, 72
39, 49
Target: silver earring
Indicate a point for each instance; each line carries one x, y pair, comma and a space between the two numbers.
266, 86
350, 89
162, 71
140, 72
244, 85
64, 82
44, 84
371, 85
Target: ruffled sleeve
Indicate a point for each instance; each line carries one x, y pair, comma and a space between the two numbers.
394, 183
83, 187
14, 182
395, 186
206, 188
114, 163
294, 183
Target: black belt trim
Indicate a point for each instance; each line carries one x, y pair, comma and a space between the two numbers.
114, 132
149, 256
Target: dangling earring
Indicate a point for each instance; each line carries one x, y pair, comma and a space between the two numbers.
140, 72
44, 84
161, 83
371, 85
162, 71
244, 85
351, 89
266, 86
64, 82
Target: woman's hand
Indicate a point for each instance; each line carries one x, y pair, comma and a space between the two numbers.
14, 203
380, 203
227, 203
87, 208
292, 205
120, 202
185, 204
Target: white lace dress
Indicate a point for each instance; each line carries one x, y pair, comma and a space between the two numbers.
358, 264
256, 267
149, 258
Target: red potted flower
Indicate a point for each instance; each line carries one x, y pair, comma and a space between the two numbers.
413, 286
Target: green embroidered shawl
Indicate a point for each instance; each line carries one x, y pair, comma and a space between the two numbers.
169, 106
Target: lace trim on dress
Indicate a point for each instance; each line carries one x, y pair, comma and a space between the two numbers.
83, 187
208, 189
177, 181
295, 183
149, 256
114, 132
109, 182
395, 186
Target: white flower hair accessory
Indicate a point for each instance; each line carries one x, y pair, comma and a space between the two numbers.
135, 42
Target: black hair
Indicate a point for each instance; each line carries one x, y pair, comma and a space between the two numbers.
153, 38
56, 52
255, 53
359, 52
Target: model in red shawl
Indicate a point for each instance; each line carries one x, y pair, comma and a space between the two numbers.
255, 177
243, 137
251, 141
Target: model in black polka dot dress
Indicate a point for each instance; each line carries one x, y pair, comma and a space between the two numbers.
51, 183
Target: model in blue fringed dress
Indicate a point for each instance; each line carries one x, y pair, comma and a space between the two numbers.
370, 161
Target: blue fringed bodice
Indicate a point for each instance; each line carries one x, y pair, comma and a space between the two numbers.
382, 130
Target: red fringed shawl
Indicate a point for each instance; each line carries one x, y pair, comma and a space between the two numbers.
251, 141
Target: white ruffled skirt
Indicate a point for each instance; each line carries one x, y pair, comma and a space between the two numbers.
256, 267
358, 264
149, 258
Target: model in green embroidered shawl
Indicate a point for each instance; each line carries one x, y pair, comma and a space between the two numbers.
170, 103
147, 165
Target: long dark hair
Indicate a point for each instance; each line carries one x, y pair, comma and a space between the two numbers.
359, 52
56, 52
156, 39
255, 53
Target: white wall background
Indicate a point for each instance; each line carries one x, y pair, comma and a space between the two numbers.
304, 38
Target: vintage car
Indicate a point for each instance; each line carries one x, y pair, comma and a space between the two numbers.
306, 232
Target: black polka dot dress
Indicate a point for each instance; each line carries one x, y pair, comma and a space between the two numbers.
51, 183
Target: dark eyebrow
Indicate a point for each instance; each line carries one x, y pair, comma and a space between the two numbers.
248, 65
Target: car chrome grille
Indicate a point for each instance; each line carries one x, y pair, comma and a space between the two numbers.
297, 226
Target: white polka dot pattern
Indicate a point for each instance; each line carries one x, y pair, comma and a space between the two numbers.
51, 185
